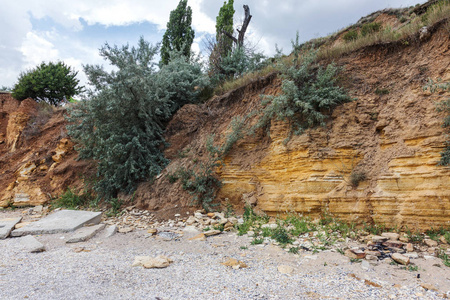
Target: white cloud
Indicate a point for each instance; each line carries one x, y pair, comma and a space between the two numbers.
36, 49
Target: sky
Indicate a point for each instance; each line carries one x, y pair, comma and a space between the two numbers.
33, 31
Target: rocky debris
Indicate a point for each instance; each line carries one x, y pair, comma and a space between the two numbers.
125, 229
401, 259
59, 221
212, 232
198, 237
235, 264
149, 262
85, 233
284, 269
430, 243
31, 244
379, 239
110, 231
355, 253
7, 225
391, 235
152, 231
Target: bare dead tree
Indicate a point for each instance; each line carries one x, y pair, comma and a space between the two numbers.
240, 40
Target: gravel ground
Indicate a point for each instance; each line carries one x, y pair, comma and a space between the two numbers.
101, 268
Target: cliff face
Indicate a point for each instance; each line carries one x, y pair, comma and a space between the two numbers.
37, 160
391, 134
389, 139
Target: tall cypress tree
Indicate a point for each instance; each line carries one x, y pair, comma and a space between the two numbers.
179, 34
224, 23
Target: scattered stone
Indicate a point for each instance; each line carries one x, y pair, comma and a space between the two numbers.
149, 262
168, 235
85, 233
191, 220
430, 243
212, 232
371, 257
250, 233
372, 253
443, 240
428, 286
270, 226
6, 225
393, 244
81, 249
411, 255
235, 264
38, 209
125, 229
379, 239
284, 269
198, 215
152, 231
428, 257
198, 237
60, 221
190, 229
355, 254
401, 259
409, 247
31, 244
391, 235
211, 215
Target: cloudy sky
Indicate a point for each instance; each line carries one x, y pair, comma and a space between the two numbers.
33, 31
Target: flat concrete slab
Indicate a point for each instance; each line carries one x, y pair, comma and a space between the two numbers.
85, 233
110, 231
60, 221
30, 244
6, 225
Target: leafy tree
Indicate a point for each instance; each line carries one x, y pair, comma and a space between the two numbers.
50, 82
121, 125
179, 34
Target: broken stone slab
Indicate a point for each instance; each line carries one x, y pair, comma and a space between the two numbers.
110, 231
401, 259
85, 233
7, 225
148, 262
379, 239
355, 253
391, 235
212, 232
31, 244
60, 221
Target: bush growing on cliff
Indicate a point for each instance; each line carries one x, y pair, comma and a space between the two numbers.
121, 125
309, 92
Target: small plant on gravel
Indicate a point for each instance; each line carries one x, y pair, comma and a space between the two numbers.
382, 91
257, 241
445, 258
414, 237
355, 260
294, 250
243, 247
412, 268
281, 235
219, 227
115, 207
300, 224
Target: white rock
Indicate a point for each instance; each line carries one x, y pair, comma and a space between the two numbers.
284, 269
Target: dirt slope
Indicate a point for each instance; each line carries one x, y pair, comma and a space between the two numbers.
392, 133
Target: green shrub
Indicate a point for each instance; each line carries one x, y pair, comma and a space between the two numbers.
281, 235
370, 28
50, 83
350, 35
121, 126
309, 93
70, 199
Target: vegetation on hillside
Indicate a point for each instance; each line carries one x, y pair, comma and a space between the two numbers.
121, 124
